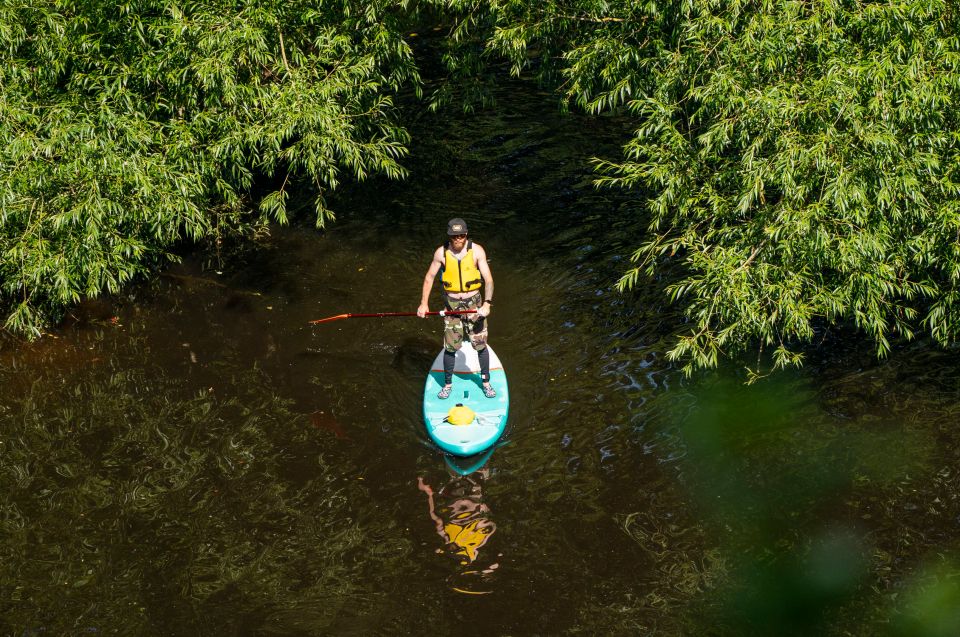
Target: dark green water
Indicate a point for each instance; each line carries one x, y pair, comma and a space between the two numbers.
194, 459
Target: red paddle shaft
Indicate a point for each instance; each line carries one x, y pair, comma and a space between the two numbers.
388, 314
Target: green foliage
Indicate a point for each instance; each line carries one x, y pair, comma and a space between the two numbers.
124, 128
803, 162
596, 53
932, 602
798, 160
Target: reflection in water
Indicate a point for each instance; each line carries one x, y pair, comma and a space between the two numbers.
463, 521
323, 420
134, 505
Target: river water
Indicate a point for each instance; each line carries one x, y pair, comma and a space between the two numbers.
194, 458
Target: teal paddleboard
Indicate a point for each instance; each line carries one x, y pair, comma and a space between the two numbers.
484, 418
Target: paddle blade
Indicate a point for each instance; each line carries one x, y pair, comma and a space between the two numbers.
330, 318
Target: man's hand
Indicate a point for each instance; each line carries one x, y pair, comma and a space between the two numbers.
484, 310
422, 310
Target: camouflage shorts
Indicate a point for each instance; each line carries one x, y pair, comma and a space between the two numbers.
454, 327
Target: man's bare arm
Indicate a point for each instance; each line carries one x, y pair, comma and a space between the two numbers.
435, 266
485, 272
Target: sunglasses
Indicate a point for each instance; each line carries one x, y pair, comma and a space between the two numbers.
459, 236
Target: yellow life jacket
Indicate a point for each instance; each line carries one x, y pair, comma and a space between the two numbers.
469, 537
460, 275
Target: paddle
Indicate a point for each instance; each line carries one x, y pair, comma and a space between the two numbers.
388, 314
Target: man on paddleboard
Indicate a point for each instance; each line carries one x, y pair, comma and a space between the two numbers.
463, 267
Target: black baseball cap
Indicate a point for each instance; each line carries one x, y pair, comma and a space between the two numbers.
456, 226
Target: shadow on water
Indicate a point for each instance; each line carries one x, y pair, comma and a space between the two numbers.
195, 458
